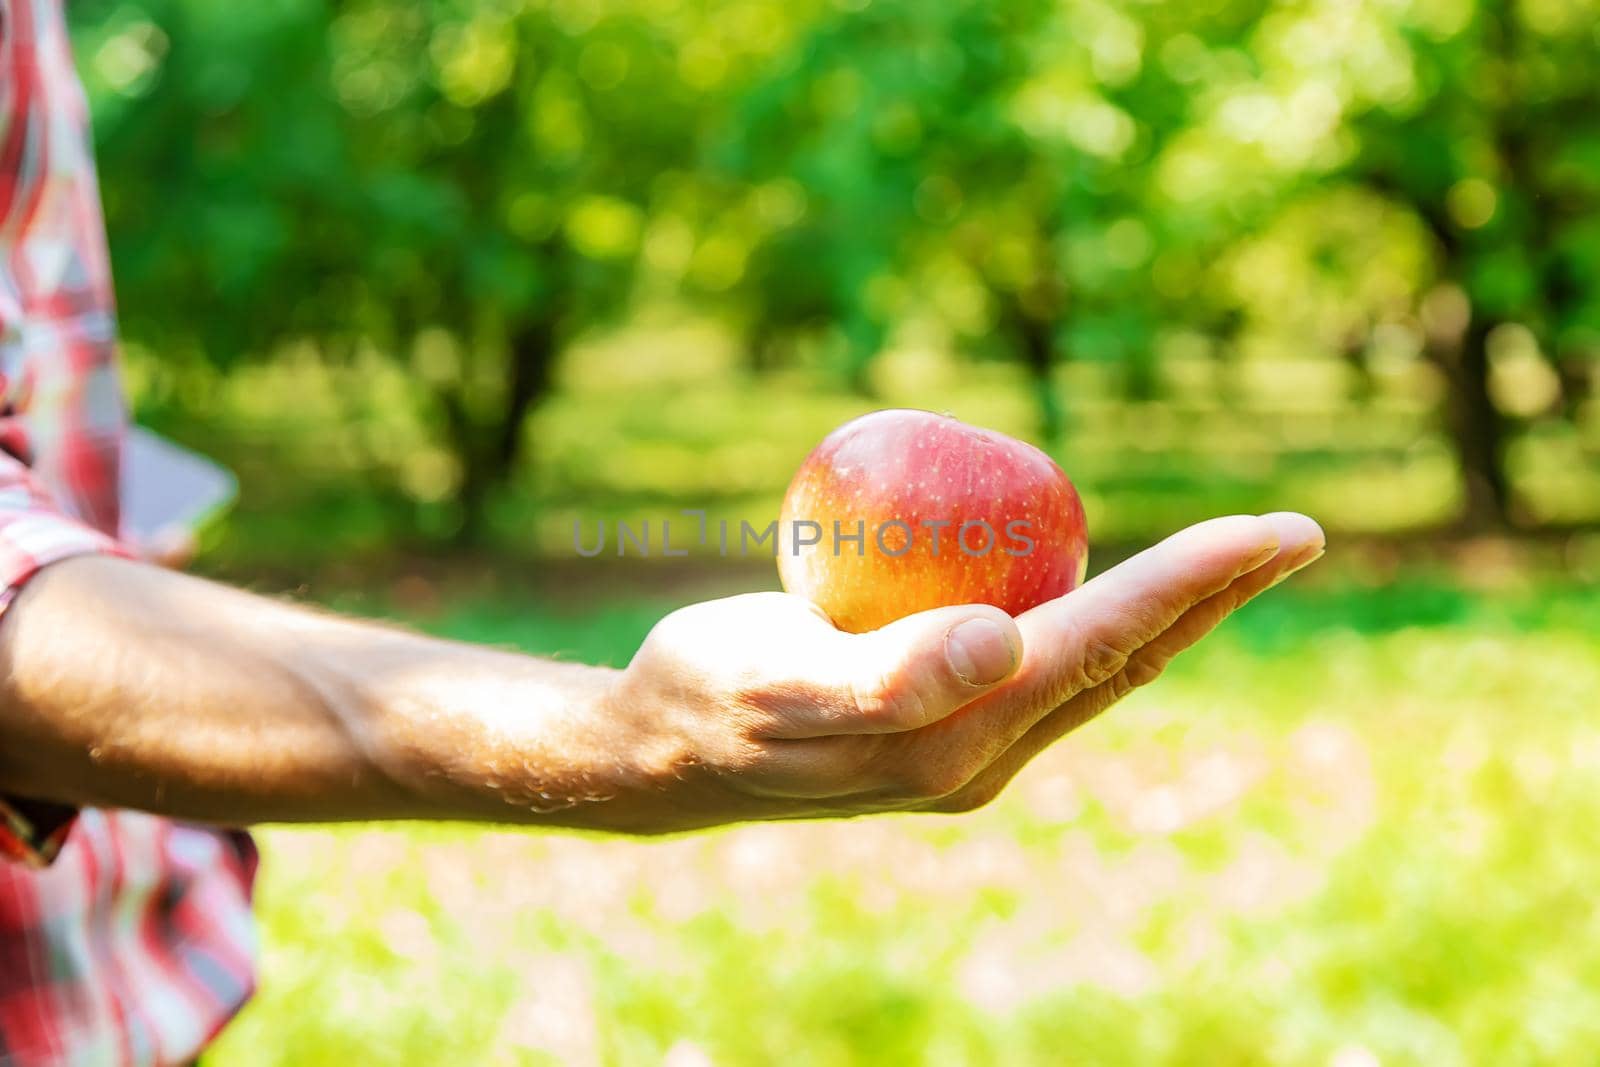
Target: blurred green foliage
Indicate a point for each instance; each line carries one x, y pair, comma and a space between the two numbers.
457, 269
1366, 207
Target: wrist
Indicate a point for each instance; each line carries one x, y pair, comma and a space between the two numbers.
470, 733
631, 750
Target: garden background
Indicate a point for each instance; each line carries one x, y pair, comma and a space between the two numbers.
439, 279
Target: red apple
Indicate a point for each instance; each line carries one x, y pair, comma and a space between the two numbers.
946, 513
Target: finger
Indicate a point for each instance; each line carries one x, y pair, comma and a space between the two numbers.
1146, 665
1301, 544
913, 672
1076, 642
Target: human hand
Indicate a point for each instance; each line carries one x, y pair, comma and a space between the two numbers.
756, 707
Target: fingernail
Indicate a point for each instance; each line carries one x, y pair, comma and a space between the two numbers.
980, 652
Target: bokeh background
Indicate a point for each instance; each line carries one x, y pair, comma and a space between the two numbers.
440, 278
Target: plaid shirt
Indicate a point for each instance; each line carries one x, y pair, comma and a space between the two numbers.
124, 939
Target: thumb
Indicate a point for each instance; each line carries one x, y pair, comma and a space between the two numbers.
919, 669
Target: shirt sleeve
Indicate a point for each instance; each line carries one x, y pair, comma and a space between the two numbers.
33, 534
62, 415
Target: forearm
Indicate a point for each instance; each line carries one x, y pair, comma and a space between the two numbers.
125, 685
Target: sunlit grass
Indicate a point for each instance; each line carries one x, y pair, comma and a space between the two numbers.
1356, 829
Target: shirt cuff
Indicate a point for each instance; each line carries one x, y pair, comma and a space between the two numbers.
33, 540
33, 831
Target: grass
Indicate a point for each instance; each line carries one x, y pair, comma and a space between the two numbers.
1357, 828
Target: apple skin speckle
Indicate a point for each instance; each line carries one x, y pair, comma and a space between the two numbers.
918, 467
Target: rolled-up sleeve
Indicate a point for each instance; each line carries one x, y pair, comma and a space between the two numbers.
33, 534
62, 414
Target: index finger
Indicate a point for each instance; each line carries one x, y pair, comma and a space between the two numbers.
1078, 641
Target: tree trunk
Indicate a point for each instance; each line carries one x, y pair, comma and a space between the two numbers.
863, 340
490, 454
760, 347
1038, 342
1477, 429
1354, 351
1576, 373
533, 356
